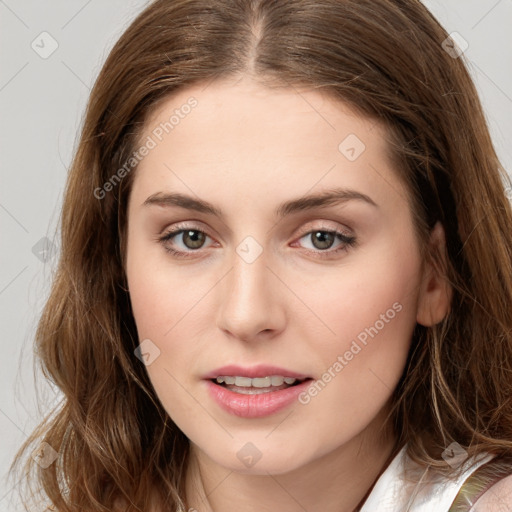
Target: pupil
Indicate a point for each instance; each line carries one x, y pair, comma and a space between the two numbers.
325, 239
197, 240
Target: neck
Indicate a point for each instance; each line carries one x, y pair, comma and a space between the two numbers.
339, 481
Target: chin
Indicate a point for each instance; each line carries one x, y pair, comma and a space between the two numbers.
261, 458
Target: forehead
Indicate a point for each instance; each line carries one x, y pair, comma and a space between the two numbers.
247, 105
243, 135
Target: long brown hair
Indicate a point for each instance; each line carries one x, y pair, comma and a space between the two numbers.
386, 59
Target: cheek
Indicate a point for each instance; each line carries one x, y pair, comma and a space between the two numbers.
166, 304
353, 295
172, 308
372, 310
162, 294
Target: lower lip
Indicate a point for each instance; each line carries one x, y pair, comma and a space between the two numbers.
255, 406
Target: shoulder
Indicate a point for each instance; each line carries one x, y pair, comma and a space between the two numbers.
496, 499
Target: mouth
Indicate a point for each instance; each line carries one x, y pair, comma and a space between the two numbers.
255, 391
257, 385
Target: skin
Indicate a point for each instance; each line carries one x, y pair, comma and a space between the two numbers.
246, 148
498, 498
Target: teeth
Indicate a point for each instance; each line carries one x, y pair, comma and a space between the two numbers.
277, 380
243, 382
259, 382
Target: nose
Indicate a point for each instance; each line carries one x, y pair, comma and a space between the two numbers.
251, 300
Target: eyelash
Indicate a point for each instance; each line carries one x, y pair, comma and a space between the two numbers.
348, 241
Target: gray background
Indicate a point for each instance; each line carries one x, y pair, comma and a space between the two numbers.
42, 101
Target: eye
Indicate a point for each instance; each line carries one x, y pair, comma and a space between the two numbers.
324, 239
191, 239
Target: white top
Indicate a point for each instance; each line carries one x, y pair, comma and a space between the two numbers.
405, 486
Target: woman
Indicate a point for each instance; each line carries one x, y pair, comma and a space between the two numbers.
285, 279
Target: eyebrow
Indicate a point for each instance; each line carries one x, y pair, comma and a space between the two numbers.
327, 198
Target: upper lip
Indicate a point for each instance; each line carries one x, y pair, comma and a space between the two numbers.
261, 370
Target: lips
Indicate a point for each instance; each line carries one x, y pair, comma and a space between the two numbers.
232, 388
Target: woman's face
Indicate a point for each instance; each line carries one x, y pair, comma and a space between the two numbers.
270, 278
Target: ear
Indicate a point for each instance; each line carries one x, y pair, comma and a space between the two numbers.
435, 292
